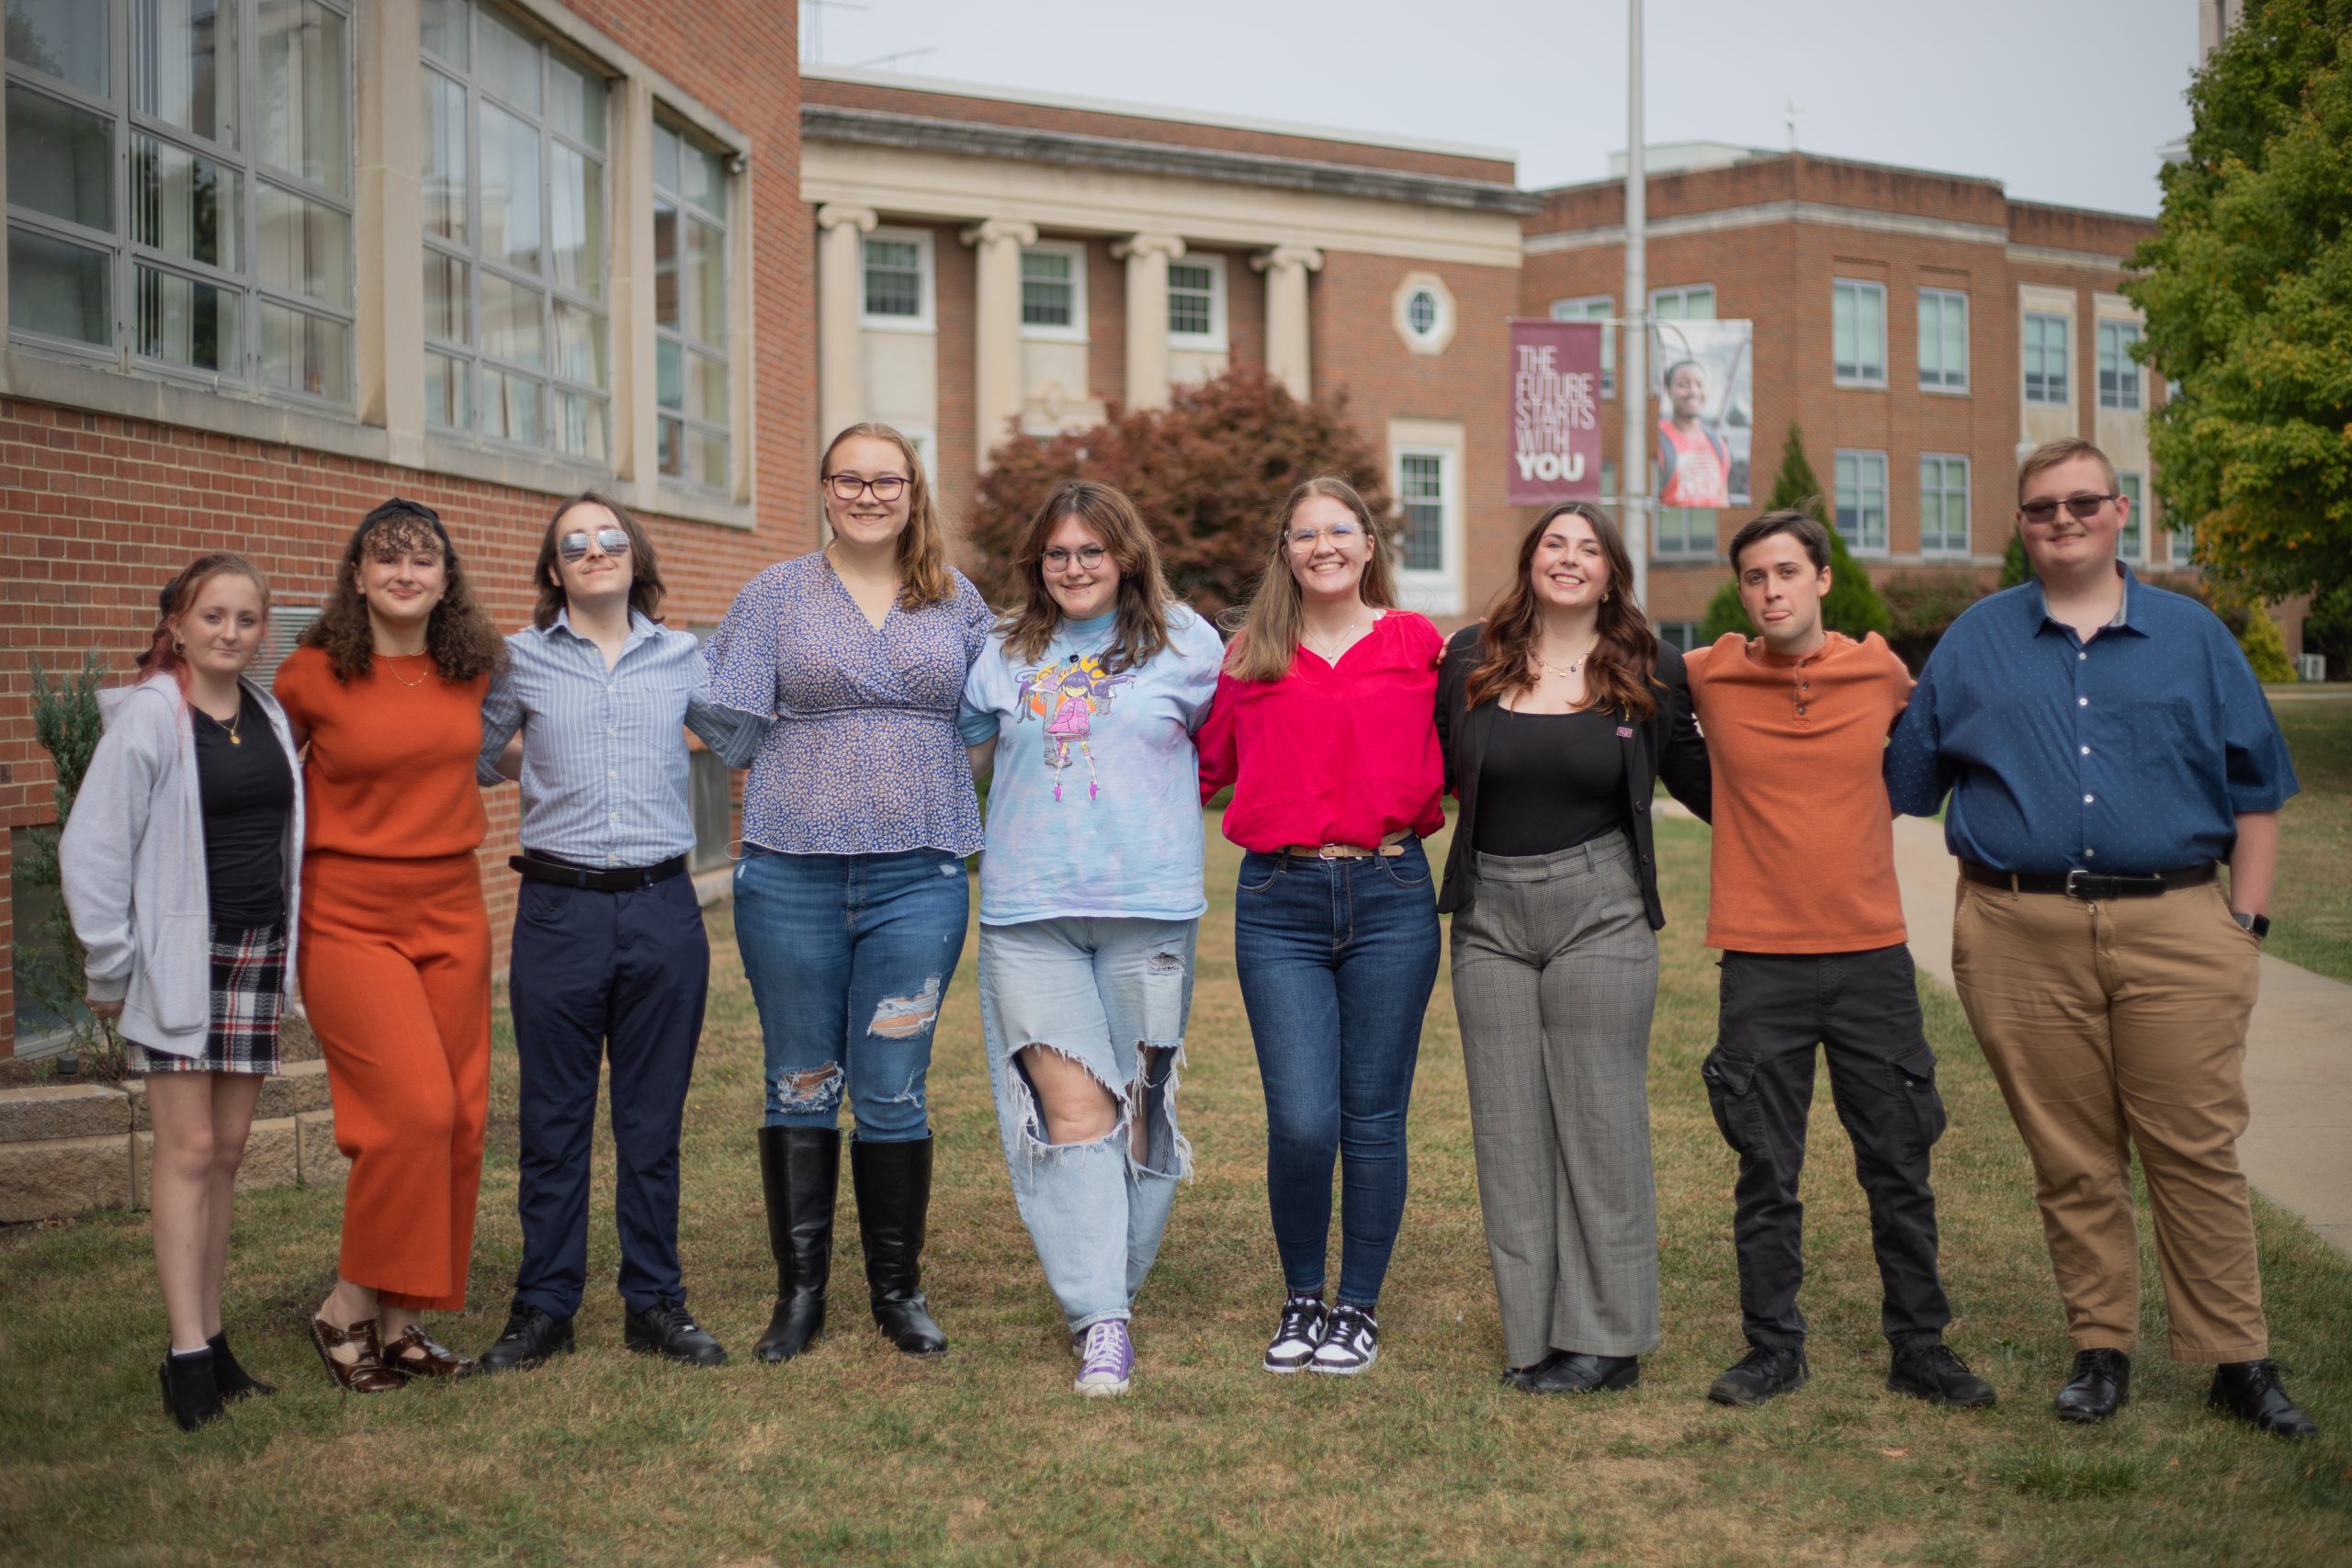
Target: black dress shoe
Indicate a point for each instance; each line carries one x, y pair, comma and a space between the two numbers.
231, 1379
530, 1337
668, 1330
2250, 1391
1523, 1378
191, 1396
2099, 1385
1933, 1372
1765, 1370
1575, 1373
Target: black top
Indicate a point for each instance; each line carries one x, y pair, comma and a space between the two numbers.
247, 790
1549, 781
1666, 745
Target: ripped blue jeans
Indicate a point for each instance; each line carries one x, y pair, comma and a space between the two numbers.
849, 957
1111, 996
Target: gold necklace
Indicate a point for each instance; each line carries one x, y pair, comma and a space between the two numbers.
404, 680
234, 738
1571, 667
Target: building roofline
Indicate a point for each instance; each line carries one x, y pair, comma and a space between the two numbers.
1775, 155
2149, 218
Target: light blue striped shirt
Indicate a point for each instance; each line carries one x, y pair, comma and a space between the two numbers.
603, 751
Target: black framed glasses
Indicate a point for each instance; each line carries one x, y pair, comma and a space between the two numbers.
886, 488
574, 547
1058, 559
2081, 508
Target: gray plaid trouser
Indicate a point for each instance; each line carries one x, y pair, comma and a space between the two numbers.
1554, 980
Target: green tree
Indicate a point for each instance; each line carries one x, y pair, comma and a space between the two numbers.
1852, 606
2247, 292
2015, 569
2264, 648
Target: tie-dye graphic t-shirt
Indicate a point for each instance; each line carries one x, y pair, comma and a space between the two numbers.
1096, 806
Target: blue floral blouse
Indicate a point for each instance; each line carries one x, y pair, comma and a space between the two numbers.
856, 751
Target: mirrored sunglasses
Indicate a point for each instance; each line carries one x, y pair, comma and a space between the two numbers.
574, 547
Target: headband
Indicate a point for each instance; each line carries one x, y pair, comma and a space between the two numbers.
399, 506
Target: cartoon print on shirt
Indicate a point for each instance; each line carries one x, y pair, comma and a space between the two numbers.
1065, 694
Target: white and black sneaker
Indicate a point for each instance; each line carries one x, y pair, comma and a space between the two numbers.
1297, 1335
1350, 1342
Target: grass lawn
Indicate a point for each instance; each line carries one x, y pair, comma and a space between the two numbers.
856, 1453
2312, 911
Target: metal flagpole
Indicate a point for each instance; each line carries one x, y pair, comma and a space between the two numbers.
1633, 378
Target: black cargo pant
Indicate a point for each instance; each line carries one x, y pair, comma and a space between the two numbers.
1863, 1010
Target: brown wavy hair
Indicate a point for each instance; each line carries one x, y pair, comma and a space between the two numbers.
1265, 640
645, 588
459, 635
924, 575
161, 655
1144, 597
1621, 672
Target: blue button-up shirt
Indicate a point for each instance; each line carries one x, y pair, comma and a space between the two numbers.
2134, 752
603, 751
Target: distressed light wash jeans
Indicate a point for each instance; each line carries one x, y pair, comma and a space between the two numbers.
1100, 993
848, 957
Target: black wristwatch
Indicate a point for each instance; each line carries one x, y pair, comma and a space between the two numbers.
2258, 924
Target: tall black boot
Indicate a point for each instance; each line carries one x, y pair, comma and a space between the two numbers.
801, 1170
893, 1183
189, 1395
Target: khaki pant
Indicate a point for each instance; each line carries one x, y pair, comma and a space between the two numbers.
2118, 1025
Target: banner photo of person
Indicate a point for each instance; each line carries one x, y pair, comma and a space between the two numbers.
1554, 412
1706, 398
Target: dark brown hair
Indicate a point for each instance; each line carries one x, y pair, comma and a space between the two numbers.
460, 637
162, 654
1618, 675
924, 575
1110, 516
1793, 521
1266, 640
645, 588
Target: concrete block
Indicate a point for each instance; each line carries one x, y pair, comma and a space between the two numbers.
323, 1165
272, 1159
63, 1110
299, 1086
52, 1178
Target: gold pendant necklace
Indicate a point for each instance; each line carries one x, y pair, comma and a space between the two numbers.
230, 727
404, 680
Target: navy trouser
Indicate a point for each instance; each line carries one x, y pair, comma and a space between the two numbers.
593, 973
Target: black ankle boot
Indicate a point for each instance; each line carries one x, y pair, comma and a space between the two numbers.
231, 1379
189, 1395
800, 1168
893, 1182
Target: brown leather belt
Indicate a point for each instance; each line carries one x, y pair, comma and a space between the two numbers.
1389, 849
2092, 886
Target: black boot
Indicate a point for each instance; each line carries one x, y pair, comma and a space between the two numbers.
231, 1379
893, 1182
800, 1168
189, 1394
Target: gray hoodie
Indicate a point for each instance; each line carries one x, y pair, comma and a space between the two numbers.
132, 860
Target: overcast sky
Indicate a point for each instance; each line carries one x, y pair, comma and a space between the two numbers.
2062, 100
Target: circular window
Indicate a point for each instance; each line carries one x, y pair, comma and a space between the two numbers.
1420, 312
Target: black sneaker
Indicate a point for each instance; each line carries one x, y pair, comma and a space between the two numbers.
1351, 1343
1934, 1373
1765, 1370
1297, 1335
2250, 1391
531, 1336
668, 1330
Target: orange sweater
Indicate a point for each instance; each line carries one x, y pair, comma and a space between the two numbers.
1803, 853
390, 773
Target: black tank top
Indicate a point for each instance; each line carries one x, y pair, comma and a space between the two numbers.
1549, 781
247, 790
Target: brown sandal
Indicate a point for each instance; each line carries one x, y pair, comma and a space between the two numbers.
413, 1353
353, 1357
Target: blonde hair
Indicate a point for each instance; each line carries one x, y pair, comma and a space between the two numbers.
1142, 629
2050, 454
1266, 640
924, 575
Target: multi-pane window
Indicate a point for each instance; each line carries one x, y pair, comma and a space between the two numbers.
1681, 636
1053, 290
1943, 340
516, 243
1196, 302
1693, 303
1684, 532
185, 197
2045, 357
691, 376
1594, 308
2130, 544
2119, 374
1857, 333
897, 279
1862, 501
1420, 491
1944, 504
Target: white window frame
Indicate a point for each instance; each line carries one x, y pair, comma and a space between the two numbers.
1867, 370
1680, 636
1865, 545
1681, 533
2119, 388
692, 425
1215, 340
1944, 492
1439, 590
1601, 307
1948, 381
926, 287
2132, 542
1683, 297
2066, 345
1073, 251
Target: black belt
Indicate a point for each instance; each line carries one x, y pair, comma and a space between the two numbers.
2092, 886
542, 867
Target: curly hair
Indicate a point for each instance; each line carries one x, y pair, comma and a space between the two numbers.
461, 637
1621, 672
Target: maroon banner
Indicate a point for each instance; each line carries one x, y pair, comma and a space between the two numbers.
1554, 412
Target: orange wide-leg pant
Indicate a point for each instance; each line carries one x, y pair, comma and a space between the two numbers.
395, 967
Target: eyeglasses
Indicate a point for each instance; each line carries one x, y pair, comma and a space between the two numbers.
2081, 508
1057, 559
1342, 537
574, 547
886, 488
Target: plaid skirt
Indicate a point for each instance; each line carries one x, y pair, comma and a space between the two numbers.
248, 990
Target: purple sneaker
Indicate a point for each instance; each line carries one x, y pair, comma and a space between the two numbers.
1107, 1359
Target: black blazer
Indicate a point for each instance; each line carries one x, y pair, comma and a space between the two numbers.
1666, 745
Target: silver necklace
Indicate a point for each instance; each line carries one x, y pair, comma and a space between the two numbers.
1346, 634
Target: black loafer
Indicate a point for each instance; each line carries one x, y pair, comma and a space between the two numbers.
530, 1337
1764, 1371
1523, 1378
668, 1330
1935, 1374
2250, 1391
2099, 1385
1575, 1373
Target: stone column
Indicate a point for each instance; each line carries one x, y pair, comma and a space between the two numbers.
636, 422
996, 327
1147, 256
1289, 346
840, 296
389, 353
